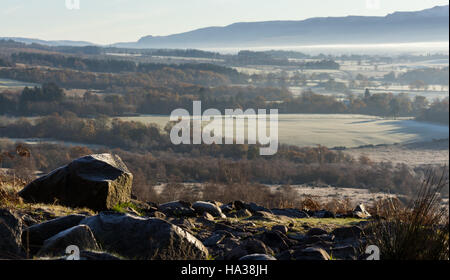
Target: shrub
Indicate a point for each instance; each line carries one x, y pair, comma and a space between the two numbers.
418, 231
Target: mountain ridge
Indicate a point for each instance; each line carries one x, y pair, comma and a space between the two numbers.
426, 25
429, 25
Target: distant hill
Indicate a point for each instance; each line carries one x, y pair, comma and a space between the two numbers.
399, 27
49, 43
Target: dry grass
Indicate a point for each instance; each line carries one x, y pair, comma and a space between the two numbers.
418, 231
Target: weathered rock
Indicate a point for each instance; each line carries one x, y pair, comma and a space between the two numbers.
253, 207
144, 208
285, 255
262, 215
275, 240
201, 206
214, 239
97, 256
322, 244
183, 223
322, 214
291, 213
353, 232
318, 238
344, 253
35, 235
297, 236
98, 182
178, 209
227, 208
231, 242
281, 228
10, 235
238, 205
80, 236
144, 238
243, 213
225, 227
28, 220
311, 253
208, 216
258, 257
316, 231
248, 247
157, 214
86, 256
361, 212
256, 246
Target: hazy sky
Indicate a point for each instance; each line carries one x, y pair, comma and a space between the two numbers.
109, 21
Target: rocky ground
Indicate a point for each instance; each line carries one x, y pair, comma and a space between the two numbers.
101, 219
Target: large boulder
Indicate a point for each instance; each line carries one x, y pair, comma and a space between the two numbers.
98, 182
312, 254
144, 238
248, 247
258, 257
316, 231
353, 232
177, 208
201, 206
80, 236
34, 236
10, 233
291, 213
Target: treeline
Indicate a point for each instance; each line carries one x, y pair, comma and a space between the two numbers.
437, 113
139, 137
51, 99
5, 62
165, 77
152, 167
378, 104
429, 76
267, 58
119, 66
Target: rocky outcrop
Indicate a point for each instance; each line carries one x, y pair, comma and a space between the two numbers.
98, 182
201, 206
177, 209
311, 253
144, 238
80, 236
343, 233
10, 235
258, 257
35, 235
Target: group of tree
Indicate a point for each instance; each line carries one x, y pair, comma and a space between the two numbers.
5, 62
420, 78
49, 99
120, 66
244, 58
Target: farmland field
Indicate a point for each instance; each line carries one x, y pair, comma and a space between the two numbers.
12, 84
341, 130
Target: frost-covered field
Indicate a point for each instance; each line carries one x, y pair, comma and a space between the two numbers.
341, 130
12, 84
413, 154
